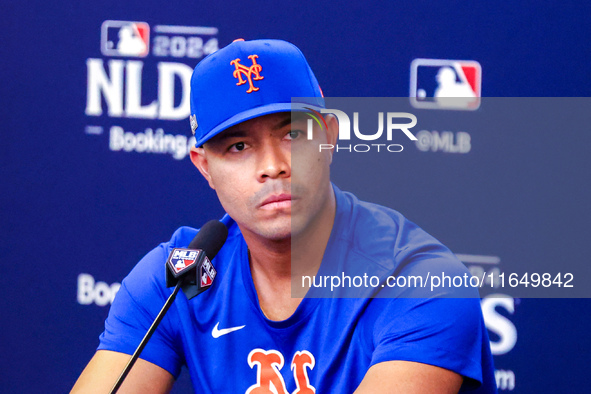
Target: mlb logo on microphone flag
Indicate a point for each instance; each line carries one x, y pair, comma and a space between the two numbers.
181, 260
207, 273
445, 84
125, 38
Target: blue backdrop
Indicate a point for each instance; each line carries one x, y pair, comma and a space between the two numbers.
95, 172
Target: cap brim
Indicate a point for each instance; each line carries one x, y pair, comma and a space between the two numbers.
255, 113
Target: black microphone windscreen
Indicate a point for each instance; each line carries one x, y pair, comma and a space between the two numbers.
210, 238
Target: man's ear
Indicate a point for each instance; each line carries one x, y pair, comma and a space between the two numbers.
332, 134
199, 159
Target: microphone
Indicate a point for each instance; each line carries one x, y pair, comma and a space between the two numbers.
187, 268
192, 266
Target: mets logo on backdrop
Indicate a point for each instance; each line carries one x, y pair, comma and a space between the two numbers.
445, 84
124, 38
248, 72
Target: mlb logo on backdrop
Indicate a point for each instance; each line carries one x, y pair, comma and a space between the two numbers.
125, 38
445, 84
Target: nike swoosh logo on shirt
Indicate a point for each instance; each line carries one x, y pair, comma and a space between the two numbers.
216, 333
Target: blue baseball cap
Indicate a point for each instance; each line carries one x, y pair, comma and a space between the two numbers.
247, 79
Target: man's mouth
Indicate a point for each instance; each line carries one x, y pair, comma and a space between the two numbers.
277, 201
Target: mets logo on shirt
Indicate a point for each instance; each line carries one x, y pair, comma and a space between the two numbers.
445, 84
124, 38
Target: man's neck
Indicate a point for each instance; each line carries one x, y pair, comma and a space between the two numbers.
299, 254
276, 265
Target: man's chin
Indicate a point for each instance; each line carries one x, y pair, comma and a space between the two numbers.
299, 226
277, 234
276, 229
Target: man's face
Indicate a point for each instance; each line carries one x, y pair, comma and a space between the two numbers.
268, 176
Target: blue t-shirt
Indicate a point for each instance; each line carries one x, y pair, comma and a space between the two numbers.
328, 344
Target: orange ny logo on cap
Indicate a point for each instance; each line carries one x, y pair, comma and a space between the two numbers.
247, 72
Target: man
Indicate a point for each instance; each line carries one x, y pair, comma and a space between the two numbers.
247, 333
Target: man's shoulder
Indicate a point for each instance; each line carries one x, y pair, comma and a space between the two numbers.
369, 226
384, 241
366, 215
155, 259
152, 264
182, 237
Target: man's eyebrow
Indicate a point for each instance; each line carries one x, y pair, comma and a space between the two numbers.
293, 117
282, 123
230, 134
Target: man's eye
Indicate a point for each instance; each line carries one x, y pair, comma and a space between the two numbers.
293, 134
237, 147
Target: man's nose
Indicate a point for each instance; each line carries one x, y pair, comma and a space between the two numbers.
274, 162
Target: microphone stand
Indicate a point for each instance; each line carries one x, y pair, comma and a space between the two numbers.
147, 337
211, 237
